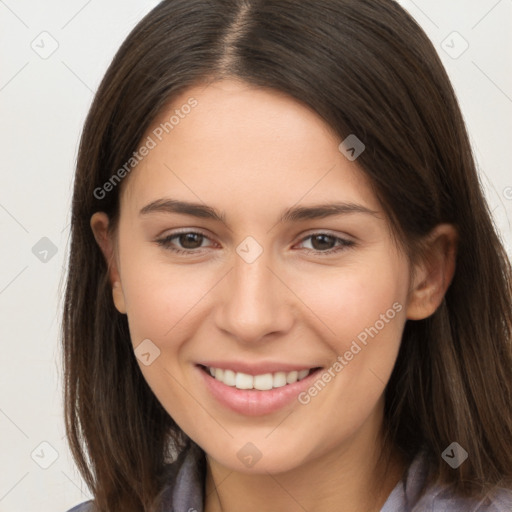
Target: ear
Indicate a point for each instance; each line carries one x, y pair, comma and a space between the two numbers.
434, 273
99, 226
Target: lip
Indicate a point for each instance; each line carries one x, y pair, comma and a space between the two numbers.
252, 402
256, 368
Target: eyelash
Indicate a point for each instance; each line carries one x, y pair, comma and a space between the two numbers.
166, 243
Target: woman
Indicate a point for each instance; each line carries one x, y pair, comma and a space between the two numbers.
213, 360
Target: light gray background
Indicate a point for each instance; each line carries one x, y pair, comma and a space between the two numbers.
43, 103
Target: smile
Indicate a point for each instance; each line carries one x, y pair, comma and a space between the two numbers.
262, 382
258, 393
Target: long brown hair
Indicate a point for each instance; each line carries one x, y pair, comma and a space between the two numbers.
366, 68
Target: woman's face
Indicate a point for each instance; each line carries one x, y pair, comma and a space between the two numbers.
277, 285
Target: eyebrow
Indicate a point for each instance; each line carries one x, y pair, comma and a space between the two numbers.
293, 214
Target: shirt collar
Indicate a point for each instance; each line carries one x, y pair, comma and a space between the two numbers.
187, 495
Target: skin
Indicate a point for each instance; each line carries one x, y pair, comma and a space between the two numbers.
251, 153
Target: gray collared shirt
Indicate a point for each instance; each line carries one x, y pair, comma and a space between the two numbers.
187, 492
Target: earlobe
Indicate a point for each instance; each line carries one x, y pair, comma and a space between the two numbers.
99, 225
118, 297
434, 273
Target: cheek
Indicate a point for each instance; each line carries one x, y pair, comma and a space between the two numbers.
162, 300
352, 298
364, 309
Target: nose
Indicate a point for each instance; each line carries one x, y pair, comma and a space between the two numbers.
255, 301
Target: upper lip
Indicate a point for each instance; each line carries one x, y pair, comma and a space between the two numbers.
257, 368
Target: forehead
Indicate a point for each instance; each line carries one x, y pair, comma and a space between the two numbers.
242, 144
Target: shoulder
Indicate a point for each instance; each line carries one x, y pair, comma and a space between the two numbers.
446, 501
86, 506
437, 498
184, 482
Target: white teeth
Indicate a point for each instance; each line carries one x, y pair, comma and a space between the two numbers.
229, 378
262, 382
279, 380
242, 381
302, 374
292, 377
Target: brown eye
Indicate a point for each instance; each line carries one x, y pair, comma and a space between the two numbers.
190, 240
187, 242
324, 243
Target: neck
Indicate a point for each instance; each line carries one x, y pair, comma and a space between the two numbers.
347, 478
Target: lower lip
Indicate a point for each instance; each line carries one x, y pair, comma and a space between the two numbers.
253, 402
